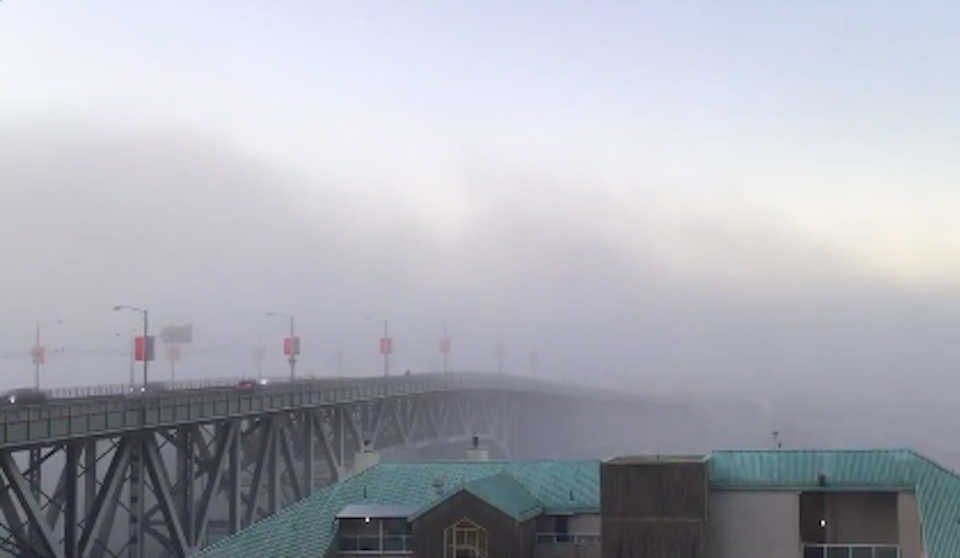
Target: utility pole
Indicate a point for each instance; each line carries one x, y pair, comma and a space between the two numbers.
387, 348
138, 448
445, 347
294, 348
39, 352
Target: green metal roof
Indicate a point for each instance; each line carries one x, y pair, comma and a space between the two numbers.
501, 491
306, 529
937, 488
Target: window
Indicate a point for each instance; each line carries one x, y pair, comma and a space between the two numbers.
465, 539
561, 527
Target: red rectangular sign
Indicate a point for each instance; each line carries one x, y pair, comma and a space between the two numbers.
143, 349
39, 355
500, 351
386, 345
444, 346
291, 346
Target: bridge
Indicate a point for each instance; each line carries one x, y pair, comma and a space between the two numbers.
96, 472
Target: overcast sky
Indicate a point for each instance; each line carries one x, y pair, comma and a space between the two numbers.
717, 194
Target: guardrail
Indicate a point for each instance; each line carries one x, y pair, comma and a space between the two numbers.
63, 419
568, 538
851, 551
375, 544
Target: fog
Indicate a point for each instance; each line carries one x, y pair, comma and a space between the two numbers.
200, 232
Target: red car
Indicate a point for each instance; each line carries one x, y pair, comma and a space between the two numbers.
250, 384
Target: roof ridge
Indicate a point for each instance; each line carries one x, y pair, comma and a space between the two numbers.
935, 464
816, 450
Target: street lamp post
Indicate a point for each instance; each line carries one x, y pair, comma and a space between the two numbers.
38, 354
445, 347
387, 348
135, 495
386, 344
294, 348
146, 337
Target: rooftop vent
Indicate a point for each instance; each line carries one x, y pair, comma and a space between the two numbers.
438, 486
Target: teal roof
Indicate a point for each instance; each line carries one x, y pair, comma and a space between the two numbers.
306, 529
937, 488
501, 491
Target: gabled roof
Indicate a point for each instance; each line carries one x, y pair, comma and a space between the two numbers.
306, 529
936, 487
501, 491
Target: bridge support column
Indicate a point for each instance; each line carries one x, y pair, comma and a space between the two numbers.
234, 489
306, 419
184, 482
71, 517
135, 497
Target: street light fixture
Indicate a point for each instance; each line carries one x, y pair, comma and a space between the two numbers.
37, 351
294, 348
146, 336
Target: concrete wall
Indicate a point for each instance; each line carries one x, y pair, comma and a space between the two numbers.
908, 515
753, 524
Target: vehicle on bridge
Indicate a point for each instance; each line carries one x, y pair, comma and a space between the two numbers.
251, 384
149, 387
25, 396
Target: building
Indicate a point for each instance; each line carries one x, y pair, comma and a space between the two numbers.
730, 504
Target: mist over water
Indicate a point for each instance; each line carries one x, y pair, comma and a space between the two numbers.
672, 221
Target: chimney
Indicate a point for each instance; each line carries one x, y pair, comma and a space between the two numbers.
477, 453
365, 458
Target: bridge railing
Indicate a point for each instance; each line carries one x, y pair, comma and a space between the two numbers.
100, 416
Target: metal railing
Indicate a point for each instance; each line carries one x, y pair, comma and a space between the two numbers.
851, 551
62, 419
375, 544
568, 538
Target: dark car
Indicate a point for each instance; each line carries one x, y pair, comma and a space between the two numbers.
251, 384
25, 396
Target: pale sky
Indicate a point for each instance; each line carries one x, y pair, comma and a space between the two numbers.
723, 148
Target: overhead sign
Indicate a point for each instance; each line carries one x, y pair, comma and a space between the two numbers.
177, 335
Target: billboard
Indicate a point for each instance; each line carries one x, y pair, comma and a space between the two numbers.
177, 335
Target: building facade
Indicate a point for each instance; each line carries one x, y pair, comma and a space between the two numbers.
744, 504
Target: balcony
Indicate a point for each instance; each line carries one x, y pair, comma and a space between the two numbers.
375, 544
851, 551
576, 539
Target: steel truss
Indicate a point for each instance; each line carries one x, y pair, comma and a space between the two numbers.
168, 492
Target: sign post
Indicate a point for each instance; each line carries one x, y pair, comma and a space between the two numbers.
174, 337
173, 355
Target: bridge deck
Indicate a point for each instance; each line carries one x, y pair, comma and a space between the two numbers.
62, 419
